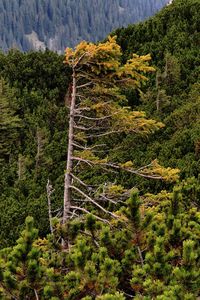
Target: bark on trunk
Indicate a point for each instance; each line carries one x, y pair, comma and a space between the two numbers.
68, 176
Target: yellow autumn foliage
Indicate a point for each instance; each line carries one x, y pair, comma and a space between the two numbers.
167, 174
105, 59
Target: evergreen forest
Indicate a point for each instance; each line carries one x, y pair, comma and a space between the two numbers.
57, 24
100, 165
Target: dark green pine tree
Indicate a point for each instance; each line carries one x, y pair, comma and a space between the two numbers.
21, 272
10, 122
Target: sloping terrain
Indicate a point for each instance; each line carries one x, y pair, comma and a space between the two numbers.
172, 95
56, 24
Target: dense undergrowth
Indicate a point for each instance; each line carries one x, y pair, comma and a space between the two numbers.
152, 250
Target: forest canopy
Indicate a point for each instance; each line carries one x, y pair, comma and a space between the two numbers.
142, 239
56, 24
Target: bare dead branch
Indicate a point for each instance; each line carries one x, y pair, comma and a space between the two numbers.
144, 167
59, 214
84, 85
80, 109
88, 148
95, 119
57, 210
36, 294
50, 190
86, 128
79, 146
104, 198
128, 295
87, 212
92, 237
79, 180
104, 133
80, 96
93, 201
80, 58
114, 166
73, 214
136, 172
110, 171
90, 163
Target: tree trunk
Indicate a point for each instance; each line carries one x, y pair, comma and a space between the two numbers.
68, 177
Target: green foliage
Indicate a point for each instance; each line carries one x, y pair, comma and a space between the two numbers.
36, 149
33, 143
133, 208
157, 260
10, 121
151, 249
172, 96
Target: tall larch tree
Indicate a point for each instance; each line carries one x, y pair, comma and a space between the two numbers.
95, 103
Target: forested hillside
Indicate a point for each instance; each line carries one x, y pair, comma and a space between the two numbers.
100, 153
57, 24
172, 95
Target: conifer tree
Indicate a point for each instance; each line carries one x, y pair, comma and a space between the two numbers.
21, 272
104, 262
95, 102
10, 122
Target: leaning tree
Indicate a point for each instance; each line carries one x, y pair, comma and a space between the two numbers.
95, 99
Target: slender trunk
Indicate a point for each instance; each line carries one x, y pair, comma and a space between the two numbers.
68, 176
49, 192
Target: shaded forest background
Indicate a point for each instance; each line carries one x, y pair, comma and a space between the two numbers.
57, 24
